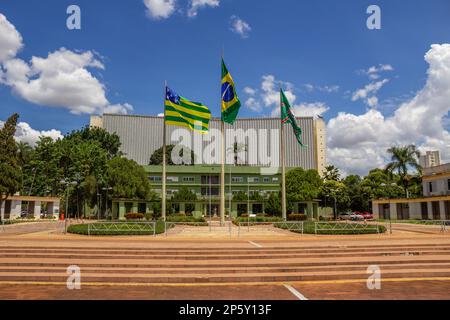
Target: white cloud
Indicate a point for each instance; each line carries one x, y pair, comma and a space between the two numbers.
24, 133
160, 9
358, 143
250, 91
374, 71
253, 104
240, 27
269, 97
10, 40
62, 79
370, 89
327, 89
195, 5
305, 109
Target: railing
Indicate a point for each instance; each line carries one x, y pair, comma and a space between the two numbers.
344, 227
293, 226
200, 226
122, 227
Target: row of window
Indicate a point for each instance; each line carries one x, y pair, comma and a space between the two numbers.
431, 185
214, 179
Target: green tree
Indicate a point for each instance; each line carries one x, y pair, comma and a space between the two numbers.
358, 198
378, 184
156, 158
335, 194
331, 173
24, 153
186, 195
110, 142
403, 159
128, 179
240, 196
302, 185
10, 171
273, 204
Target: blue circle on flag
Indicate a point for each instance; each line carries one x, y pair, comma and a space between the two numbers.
227, 92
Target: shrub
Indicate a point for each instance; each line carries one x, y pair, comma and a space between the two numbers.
148, 216
297, 217
134, 216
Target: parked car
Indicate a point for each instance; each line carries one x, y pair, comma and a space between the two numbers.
367, 215
356, 216
345, 215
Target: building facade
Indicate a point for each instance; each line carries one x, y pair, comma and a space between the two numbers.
435, 205
142, 135
430, 159
204, 182
30, 207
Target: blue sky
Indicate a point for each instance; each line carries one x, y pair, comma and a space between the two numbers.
319, 49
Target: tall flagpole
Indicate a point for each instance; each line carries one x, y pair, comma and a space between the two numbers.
164, 179
283, 165
222, 172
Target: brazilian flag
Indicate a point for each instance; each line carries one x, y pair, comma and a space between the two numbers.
230, 100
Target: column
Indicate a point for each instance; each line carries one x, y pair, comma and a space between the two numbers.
310, 212
182, 208
442, 210
430, 210
2, 210
37, 209
393, 211
16, 208
121, 210
135, 207
376, 210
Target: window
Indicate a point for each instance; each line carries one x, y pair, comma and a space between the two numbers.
173, 191
213, 179
155, 179
275, 180
172, 179
188, 179
206, 191
237, 179
266, 179
430, 186
253, 179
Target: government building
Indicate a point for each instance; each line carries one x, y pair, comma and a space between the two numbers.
434, 205
255, 171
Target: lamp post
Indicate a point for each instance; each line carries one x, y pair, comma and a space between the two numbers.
106, 197
67, 184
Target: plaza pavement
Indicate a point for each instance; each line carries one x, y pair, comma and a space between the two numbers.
259, 264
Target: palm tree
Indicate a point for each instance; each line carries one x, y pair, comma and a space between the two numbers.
403, 158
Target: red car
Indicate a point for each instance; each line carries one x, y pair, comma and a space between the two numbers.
366, 215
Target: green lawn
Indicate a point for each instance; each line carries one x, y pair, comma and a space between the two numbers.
327, 229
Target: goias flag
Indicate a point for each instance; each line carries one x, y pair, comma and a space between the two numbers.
182, 112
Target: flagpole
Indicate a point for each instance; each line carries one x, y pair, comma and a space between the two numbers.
222, 172
283, 165
164, 179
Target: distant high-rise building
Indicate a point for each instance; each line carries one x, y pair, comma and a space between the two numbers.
430, 159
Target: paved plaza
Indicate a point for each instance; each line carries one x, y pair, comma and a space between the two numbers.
201, 264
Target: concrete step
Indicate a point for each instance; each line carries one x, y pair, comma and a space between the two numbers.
238, 277
218, 270
214, 252
172, 256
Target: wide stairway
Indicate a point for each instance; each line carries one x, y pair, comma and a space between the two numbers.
222, 265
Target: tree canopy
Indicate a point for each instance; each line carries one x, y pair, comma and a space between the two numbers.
302, 185
10, 170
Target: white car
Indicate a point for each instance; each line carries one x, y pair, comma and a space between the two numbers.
356, 217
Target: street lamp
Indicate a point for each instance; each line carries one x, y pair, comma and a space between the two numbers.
67, 185
106, 197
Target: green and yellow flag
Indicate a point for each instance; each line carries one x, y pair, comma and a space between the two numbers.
288, 117
230, 100
182, 112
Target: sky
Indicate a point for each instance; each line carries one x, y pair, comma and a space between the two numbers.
374, 88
